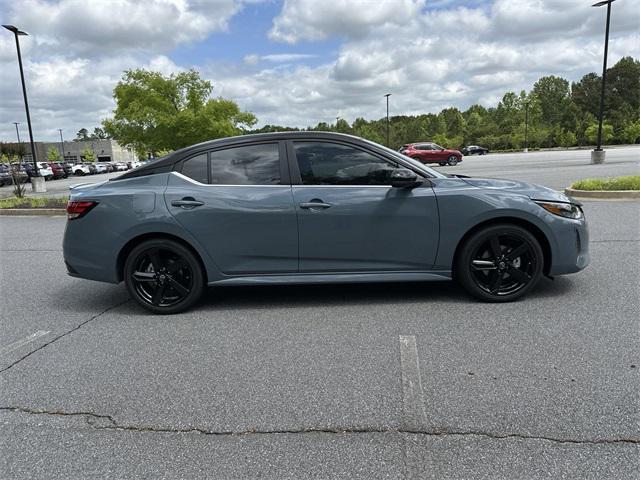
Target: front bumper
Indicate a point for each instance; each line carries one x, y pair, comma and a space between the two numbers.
572, 250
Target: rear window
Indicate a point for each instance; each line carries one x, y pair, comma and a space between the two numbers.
246, 165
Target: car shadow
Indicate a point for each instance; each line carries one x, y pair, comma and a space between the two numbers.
315, 296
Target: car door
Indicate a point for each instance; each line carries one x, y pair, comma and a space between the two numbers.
237, 202
350, 219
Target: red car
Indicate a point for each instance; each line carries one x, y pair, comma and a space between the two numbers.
58, 170
431, 153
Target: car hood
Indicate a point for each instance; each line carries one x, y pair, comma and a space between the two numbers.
531, 190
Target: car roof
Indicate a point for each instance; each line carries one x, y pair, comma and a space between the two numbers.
166, 163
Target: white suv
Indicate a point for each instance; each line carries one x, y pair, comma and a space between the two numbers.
45, 170
80, 170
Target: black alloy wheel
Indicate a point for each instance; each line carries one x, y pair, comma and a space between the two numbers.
500, 263
163, 276
452, 160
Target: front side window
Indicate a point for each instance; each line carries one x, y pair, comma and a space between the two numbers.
247, 165
324, 163
196, 168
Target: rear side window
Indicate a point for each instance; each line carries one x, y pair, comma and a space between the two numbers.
246, 165
196, 168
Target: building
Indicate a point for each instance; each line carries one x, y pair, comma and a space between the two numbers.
107, 150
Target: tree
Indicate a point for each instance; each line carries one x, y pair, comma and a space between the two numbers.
99, 134
553, 96
631, 133
82, 135
156, 112
88, 155
53, 155
592, 132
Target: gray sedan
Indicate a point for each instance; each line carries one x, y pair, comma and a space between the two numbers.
312, 207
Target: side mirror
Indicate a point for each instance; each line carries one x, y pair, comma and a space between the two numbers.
404, 178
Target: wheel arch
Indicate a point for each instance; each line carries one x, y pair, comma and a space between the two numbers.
135, 241
527, 225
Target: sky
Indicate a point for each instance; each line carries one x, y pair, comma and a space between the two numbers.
299, 62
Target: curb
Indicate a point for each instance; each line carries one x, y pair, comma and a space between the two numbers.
604, 194
32, 211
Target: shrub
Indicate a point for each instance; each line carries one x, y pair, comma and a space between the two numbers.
631, 182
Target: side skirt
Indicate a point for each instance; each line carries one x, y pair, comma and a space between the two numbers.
314, 278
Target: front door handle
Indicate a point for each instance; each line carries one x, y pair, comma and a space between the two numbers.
187, 203
314, 204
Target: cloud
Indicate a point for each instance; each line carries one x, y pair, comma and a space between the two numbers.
98, 27
428, 58
316, 20
254, 59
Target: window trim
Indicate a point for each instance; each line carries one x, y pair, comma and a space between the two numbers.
296, 177
282, 157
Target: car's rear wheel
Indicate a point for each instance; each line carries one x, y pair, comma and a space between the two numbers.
163, 276
452, 160
79, 173
500, 263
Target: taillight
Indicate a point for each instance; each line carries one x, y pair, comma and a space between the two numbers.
79, 209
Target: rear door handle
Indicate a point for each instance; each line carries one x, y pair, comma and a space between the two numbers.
187, 203
314, 204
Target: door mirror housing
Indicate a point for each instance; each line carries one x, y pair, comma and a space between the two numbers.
404, 178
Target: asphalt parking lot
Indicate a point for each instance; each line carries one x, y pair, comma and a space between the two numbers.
361, 381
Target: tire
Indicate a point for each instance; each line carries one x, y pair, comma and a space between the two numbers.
78, 173
501, 278
452, 160
163, 276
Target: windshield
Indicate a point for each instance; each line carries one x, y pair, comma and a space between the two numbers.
414, 163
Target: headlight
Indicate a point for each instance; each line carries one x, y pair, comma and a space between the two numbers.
567, 210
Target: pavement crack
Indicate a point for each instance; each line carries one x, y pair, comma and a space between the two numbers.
55, 339
108, 422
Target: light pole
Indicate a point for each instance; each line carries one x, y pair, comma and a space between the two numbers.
37, 182
526, 127
387, 96
17, 132
61, 144
597, 156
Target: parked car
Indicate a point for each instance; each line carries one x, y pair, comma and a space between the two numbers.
43, 169
474, 150
121, 167
431, 153
80, 169
19, 173
101, 167
92, 167
5, 175
68, 167
58, 170
314, 207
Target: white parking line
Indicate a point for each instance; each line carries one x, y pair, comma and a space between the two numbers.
24, 341
415, 417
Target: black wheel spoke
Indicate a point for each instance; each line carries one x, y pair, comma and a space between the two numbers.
158, 295
178, 287
483, 265
496, 281
494, 241
144, 276
519, 275
516, 252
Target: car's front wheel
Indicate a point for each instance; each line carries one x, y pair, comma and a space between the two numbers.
163, 276
452, 160
499, 263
